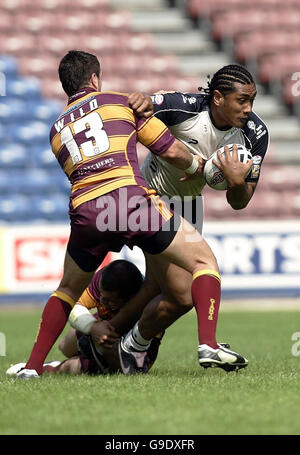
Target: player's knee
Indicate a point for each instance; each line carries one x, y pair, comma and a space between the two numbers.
183, 301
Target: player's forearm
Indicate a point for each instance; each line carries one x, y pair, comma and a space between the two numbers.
238, 196
133, 309
179, 156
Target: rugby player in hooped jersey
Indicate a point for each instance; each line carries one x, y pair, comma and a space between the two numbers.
111, 287
220, 115
94, 140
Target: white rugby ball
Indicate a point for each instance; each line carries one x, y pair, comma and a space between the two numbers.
213, 176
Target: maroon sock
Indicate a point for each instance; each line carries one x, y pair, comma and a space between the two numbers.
206, 294
54, 319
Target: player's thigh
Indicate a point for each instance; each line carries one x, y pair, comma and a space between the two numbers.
74, 280
189, 250
174, 282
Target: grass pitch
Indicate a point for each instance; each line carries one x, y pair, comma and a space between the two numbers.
176, 398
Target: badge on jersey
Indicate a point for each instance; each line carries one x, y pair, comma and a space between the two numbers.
157, 99
255, 170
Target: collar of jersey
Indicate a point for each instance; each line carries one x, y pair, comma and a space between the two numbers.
82, 93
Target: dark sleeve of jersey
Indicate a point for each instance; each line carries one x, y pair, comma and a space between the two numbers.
174, 108
259, 138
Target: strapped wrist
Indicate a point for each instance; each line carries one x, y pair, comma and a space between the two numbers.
193, 167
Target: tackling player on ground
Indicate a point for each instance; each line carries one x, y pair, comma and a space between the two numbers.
109, 290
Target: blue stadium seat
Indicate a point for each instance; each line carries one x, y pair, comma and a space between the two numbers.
31, 133
27, 88
6, 186
14, 155
44, 157
32, 181
46, 111
61, 181
3, 134
52, 207
14, 208
8, 66
12, 110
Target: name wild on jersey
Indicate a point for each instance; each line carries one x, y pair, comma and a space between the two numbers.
189, 119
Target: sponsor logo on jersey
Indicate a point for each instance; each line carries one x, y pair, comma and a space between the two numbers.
189, 99
251, 125
258, 130
192, 141
158, 99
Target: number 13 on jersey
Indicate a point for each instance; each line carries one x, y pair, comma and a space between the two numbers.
97, 140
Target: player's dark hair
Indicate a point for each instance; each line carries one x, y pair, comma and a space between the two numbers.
75, 70
123, 277
223, 80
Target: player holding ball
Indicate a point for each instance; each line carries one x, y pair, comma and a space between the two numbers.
219, 115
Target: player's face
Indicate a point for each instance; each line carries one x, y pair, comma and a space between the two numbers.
110, 299
235, 107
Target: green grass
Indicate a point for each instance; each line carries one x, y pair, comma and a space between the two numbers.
176, 398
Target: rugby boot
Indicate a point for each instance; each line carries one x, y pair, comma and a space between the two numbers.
221, 357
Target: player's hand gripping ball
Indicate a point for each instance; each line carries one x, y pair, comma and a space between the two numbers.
213, 176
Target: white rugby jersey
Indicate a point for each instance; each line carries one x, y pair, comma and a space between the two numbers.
188, 118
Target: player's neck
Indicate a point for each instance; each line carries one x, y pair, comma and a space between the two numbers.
217, 120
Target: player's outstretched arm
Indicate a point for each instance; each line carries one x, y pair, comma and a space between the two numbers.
141, 104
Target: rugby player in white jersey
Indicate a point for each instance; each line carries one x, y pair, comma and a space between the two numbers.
220, 115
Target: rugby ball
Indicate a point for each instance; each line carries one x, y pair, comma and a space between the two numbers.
213, 176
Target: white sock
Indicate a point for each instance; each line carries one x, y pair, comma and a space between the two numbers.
134, 341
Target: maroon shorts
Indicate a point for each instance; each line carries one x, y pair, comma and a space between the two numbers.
130, 216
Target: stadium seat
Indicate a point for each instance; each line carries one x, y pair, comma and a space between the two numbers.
15, 208
55, 45
279, 178
43, 156
6, 22
8, 66
12, 110
46, 110
5, 181
295, 204
52, 89
18, 44
53, 207
39, 66
32, 181
23, 87
14, 155
35, 23
3, 134
31, 132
